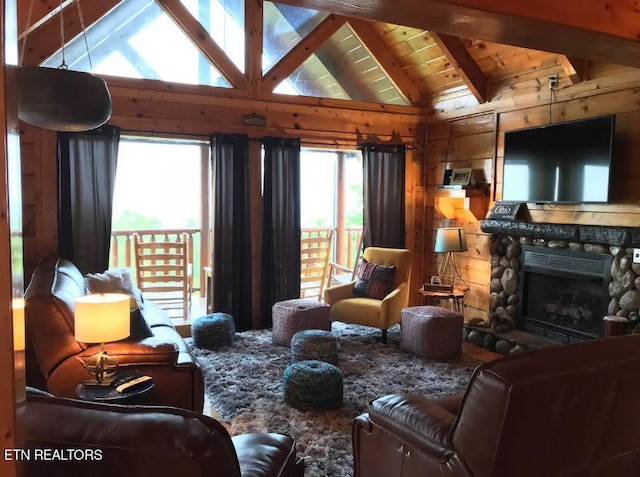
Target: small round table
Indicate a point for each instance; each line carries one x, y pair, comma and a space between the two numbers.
455, 297
109, 394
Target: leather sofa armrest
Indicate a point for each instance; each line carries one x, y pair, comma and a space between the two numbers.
125, 440
339, 292
149, 350
417, 421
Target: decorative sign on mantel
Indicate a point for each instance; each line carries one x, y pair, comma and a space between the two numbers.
509, 211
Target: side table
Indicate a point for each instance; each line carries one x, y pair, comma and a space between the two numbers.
110, 395
455, 297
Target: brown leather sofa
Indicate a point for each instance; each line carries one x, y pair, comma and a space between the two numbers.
102, 440
55, 358
570, 411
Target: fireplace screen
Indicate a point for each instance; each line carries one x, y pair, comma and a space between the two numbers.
565, 302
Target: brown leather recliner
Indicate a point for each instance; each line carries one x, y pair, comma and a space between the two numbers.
102, 440
55, 358
570, 411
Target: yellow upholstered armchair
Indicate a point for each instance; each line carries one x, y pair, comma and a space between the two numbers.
383, 314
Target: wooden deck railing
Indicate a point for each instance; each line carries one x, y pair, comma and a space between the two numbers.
344, 245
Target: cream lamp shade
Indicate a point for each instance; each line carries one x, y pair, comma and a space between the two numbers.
450, 239
17, 305
102, 318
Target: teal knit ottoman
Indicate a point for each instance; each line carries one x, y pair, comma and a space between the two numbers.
314, 344
213, 331
312, 385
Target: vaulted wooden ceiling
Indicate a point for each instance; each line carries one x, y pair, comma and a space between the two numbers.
471, 49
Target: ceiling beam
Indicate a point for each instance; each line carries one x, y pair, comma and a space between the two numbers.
463, 63
386, 60
299, 53
596, 30
45, 40
253, 40
575, 68
199, 36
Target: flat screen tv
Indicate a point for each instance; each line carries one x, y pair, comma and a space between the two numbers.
560, 163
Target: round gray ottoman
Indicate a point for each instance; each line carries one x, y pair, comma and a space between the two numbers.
432, 332
213, 331
318, 345
291, 316
312, 385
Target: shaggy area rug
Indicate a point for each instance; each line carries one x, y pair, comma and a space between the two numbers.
244, 385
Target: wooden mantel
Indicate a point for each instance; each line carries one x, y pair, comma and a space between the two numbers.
607, 31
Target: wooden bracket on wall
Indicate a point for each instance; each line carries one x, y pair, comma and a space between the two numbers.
453, 203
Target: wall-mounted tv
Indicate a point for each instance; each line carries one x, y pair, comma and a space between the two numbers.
564, 162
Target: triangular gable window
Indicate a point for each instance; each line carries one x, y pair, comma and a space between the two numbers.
284, 26
224, 21
343, 68
138, 40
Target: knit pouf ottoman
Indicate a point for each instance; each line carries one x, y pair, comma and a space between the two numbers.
318, 345
432, 332
291, 316
213, 331
312, 385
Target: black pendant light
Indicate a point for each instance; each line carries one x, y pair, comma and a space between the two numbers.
61, 99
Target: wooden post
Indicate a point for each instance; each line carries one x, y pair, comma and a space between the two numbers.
11, 281
341, 218
255, 203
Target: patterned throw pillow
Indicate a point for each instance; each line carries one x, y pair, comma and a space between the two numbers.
374, 280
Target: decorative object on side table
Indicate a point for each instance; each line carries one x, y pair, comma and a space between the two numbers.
101, 318
450, 240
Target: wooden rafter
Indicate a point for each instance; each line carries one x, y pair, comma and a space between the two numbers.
253, 26
199, 36
298, 54
42, 11
386, 60
45, 40
575, 68
600, 31
463, 63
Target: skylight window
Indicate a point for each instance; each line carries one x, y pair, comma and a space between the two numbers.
224, 21
138, 40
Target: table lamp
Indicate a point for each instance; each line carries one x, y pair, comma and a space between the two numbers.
450, 240
102, 318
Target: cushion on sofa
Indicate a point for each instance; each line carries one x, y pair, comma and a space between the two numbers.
115, 280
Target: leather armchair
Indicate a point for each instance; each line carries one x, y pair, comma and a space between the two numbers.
129, 441
564, 411
383, 313
54, 359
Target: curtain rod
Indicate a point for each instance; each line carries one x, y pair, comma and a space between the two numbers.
328, 144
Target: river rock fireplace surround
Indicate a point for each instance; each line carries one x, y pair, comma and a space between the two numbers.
559, 280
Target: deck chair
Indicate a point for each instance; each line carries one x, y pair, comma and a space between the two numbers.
314, 261
339, 274
164, 273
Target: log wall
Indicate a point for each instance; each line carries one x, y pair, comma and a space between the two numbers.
474, 137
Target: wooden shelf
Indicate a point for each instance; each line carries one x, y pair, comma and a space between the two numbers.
450, 203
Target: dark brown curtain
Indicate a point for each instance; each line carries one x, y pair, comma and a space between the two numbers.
231, 252
383, 173
86, 180
280, 224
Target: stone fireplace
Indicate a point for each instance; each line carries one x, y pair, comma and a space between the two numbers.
559, 280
